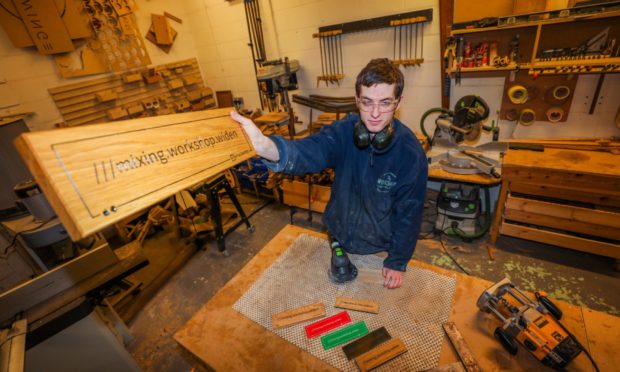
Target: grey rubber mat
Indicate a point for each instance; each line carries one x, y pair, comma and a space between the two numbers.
413, 313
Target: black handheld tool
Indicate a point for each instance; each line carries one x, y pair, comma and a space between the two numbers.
341, 269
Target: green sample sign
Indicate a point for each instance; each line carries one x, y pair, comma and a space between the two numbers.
344, 335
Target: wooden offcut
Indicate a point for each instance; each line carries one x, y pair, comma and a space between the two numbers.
381, 354
298, 315
163, 34
357, 304
464, 352
95, 175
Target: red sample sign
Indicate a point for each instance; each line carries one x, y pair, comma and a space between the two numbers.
327, 324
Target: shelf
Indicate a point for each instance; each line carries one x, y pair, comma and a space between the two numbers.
539, 22
510, 67
577, 62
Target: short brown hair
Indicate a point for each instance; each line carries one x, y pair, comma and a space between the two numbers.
377, 71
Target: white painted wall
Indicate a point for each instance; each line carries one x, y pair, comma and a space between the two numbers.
288, 27
579, 123
215, 32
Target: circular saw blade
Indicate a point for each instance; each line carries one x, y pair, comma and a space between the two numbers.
474, 135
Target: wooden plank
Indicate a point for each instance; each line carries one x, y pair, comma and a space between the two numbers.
381, 354
583, 181
172, 17
481, 179
499, 212
596, 197
95, 175
296, 194
601, 329
553, 222
357, 304
461, 347
586, 163
162, 30
366, 343
564, 217
568, 212
59, 279
561, 240
298, 315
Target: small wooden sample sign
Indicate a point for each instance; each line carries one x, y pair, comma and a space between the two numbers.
298, 315
367, 306
381, 354
96, 175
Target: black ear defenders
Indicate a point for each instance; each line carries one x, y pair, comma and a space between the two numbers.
380, 141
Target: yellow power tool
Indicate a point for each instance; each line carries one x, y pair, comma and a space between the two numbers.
533, 324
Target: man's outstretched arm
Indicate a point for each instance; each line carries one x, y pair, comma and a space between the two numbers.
263, 145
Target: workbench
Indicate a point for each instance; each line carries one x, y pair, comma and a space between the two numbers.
224, 339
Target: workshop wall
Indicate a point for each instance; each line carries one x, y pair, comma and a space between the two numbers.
288, 27
579, 122
26, 75
215, 32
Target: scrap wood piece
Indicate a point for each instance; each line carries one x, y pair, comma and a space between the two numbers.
185, 201
464, 352
367, 306
452, 367
172, 17
161, 28
298, 315
381, 354
150, 36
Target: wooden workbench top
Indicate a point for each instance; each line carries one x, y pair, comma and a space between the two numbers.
584, 162
226, 340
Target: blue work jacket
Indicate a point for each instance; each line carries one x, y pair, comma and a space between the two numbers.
377, 197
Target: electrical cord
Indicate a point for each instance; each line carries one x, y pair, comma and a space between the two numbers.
578, 343
443, 231
451, 257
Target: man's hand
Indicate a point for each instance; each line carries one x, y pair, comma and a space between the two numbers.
262, 144
392, 278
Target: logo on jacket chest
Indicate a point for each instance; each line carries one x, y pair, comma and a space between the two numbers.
386, 182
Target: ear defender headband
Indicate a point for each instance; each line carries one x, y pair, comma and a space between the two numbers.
381, 140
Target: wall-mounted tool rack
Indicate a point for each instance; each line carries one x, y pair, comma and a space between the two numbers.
158, 90
330, 39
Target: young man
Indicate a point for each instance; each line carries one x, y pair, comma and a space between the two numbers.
377, 197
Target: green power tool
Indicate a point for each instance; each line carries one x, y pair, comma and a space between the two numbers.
341, 269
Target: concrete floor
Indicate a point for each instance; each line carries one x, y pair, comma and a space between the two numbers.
575, 277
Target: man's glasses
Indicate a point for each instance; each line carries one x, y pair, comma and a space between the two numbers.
383, 106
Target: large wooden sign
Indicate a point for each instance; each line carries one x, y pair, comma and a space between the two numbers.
95, 175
